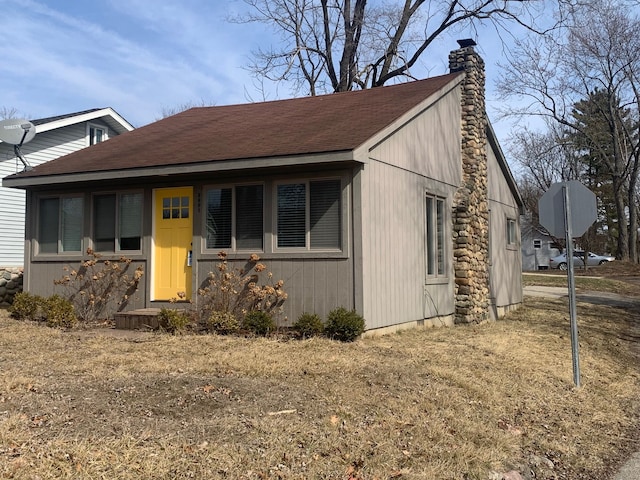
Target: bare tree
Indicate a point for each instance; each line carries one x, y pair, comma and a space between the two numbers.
8, 113
169, 111
340, 45
598, 51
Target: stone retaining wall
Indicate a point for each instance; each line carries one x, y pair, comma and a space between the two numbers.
10, 283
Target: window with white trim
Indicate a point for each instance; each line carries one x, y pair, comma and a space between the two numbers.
511, 232
117, 222
309, 215
435, 236
60, 222
234, 217
537, 243
96, 134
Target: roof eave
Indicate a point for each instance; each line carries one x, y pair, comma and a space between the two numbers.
113, 118
504, 166
25, 182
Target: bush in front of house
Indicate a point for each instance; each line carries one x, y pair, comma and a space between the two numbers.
223, 323
98, 288
344, 325
309, 325
27, 306
174, 321
59, 312
240, 289
259, 322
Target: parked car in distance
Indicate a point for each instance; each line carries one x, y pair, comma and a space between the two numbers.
593, 260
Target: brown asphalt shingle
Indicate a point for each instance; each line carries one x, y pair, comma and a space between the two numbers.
328, 123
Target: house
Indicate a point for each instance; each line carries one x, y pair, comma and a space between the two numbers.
537, 245
56, 136
394, 201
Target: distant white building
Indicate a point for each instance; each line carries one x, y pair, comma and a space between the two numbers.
55, 137
537, 246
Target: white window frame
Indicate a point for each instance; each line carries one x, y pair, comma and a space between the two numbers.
91, 136
537, 243
117, 232
307, 247
233, 246
511, 232
434, 240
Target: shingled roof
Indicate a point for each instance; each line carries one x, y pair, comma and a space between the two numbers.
310, 125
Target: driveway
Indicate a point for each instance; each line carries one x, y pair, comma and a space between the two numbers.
596, 298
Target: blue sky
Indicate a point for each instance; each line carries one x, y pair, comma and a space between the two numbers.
140, 56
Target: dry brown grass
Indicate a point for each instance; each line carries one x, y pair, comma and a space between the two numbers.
425, 404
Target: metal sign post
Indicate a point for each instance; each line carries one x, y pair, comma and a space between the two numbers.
575, 352
555, 208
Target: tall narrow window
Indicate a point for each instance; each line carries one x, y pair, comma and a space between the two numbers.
49, 215
324, 214
249, 217
219, 218
435, 236
292, 227
60, 224
130, 221
511, 232
104, 223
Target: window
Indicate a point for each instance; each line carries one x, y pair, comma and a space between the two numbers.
175, 207
60, 225
537, 243
96, 134
309, 215
234, 217
117, 222
511, 232
435, 245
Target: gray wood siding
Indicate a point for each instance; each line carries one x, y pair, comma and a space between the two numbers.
40, 276
506, 261
313, 285
422, 156
393, 246
428, 144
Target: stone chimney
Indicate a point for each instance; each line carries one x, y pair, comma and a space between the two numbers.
471, 207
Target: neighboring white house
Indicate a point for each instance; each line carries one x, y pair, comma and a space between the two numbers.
537, 246
55, 137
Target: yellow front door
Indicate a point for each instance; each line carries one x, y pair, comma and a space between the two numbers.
172, 239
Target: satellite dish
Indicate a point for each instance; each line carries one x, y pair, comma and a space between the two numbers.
17, 132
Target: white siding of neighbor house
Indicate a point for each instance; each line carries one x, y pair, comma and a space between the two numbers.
506, 261
422, 156
44, 147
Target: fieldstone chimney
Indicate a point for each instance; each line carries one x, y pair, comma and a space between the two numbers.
471, 207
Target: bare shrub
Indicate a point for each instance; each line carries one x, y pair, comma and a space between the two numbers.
99, 288
239, 291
